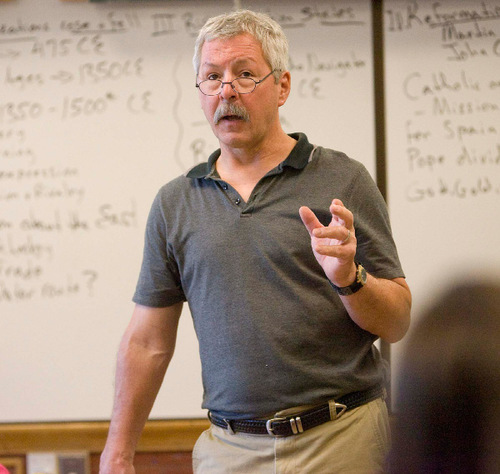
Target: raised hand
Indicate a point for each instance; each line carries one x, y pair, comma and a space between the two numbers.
334, 246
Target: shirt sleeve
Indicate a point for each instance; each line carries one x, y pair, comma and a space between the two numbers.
376, 249
159, 282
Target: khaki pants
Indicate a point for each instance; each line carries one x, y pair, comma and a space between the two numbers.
356, 443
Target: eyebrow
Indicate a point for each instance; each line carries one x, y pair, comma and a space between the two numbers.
236, 63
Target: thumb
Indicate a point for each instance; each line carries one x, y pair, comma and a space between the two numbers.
309, 219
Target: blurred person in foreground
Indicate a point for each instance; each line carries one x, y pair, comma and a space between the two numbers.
448, 408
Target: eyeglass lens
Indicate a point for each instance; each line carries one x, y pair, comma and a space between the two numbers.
242, 85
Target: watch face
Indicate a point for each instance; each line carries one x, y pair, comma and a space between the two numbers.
353, 287
361, 275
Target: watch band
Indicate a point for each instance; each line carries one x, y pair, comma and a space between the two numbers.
358, 283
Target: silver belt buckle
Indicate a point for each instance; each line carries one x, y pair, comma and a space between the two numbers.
269, 425
295, 424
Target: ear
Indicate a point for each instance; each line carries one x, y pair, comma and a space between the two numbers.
285, 85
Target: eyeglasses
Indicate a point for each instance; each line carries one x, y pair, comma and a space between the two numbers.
241, 85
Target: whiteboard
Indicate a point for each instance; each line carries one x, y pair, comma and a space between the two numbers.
98, 109
442, 66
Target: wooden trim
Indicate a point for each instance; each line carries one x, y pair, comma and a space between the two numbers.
13, 464
379, 94
159, 436
380, 125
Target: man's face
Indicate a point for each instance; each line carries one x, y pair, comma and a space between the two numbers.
227, 59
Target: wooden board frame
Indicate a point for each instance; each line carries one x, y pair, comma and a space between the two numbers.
158, 435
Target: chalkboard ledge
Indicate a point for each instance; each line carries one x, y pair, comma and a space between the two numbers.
158, 436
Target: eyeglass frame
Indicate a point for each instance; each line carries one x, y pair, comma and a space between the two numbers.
222, 83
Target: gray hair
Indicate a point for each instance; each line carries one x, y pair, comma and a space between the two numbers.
261, 26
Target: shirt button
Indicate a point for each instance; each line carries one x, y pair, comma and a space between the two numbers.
237, 202
225, 187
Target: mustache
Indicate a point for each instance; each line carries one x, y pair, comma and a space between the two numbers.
231, 109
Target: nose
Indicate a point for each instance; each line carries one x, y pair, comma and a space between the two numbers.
227, 92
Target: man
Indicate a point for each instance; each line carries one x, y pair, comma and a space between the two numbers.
291, 379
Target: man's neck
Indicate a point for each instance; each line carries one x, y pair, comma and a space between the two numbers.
265, 156
244, 168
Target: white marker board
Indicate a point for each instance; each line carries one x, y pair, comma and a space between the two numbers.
97, 110
443, 138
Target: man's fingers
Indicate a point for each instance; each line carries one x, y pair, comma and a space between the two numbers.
340, 214
309, 219
334, 231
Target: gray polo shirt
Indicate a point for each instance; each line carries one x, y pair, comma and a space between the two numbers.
272, 332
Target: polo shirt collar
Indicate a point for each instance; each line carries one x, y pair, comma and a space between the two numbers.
298, 159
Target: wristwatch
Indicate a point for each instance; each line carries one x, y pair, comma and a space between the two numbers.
359, 282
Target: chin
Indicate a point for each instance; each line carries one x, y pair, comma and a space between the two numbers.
233, 139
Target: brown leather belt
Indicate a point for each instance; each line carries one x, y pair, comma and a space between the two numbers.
300, 422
